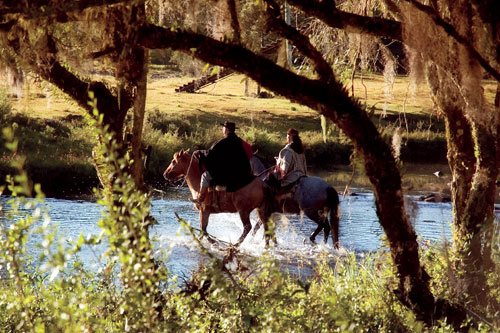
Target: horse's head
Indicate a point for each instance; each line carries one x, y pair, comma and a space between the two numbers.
179, 165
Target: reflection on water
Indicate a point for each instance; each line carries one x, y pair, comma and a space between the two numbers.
359, 230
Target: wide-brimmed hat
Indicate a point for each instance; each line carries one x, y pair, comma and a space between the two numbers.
229, 125
292, 132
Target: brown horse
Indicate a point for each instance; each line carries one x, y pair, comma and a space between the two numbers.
244, 201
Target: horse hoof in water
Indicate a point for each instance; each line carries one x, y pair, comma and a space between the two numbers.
312, 240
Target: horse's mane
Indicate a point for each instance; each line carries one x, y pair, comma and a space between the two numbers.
183, 152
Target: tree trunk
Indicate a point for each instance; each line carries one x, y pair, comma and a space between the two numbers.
131, 75
381, 169
136, 169
472, 156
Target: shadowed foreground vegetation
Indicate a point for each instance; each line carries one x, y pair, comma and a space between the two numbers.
54, 137
133, 291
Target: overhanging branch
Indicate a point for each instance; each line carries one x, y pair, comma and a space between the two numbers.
301, 42
349, 22
353, 23
313, 93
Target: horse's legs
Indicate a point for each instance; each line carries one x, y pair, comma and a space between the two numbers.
204, 215
334, 205
320, 220
257, 225
264, 219
312, 238
247, 226
326, 230
326, 226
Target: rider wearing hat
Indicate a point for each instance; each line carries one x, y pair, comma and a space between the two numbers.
227, 162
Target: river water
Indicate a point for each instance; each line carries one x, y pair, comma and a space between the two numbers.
360, 231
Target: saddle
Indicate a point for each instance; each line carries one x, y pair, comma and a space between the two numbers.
214, 195
284, 196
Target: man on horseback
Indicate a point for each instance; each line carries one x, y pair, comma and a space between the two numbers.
226, 163
290, 164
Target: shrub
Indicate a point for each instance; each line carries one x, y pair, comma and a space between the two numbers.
167, 124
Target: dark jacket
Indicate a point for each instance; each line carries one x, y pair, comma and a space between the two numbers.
228, 163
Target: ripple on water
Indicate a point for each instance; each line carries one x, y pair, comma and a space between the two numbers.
359, 230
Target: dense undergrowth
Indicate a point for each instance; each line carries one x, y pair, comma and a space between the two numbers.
58, 151
45, 288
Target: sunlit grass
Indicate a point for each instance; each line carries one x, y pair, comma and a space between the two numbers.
227, 98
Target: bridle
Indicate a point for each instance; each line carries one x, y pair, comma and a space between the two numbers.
187, 172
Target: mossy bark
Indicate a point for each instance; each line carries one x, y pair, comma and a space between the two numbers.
131, 75
473, 160
136, 169
472, 239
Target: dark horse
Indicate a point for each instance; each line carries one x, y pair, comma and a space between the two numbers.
313, 196
252, 196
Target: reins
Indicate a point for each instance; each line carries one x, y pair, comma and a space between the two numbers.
260, 174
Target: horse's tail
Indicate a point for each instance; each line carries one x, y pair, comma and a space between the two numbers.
334, 206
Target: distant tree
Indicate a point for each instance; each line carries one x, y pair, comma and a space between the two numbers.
67, 42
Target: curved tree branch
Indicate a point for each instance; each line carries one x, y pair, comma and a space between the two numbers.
50, 69
302, 43
352, 23
312, 93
